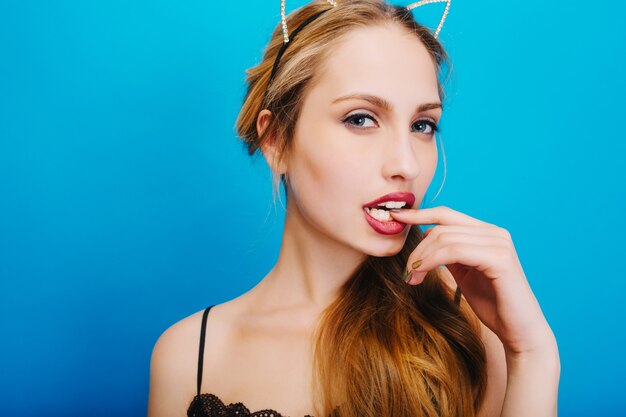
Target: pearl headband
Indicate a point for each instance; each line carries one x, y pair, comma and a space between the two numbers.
287, 37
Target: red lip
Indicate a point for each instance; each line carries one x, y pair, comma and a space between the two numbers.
409, 198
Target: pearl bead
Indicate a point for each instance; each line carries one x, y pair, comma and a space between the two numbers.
424, 2
283, 17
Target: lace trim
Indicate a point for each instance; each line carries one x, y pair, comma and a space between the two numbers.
210, 405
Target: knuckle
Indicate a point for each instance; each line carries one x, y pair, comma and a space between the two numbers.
432, 232
502, 232
443, 237
455, 249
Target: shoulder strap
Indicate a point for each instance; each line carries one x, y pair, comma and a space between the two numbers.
201, 350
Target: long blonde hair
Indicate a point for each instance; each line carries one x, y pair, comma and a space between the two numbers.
382, 347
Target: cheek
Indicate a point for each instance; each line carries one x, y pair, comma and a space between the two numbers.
325, 178
428, 164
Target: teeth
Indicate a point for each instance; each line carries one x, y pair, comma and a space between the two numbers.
392, 204
379, 214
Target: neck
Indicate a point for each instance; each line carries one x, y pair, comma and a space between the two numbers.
311, 267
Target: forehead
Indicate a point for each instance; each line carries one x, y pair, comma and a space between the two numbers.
385, 60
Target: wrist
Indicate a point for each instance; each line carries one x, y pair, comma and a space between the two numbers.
544, 356
540, 341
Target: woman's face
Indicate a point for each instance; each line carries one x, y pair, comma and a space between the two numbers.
366, 130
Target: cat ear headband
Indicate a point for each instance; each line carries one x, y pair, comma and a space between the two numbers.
289, 37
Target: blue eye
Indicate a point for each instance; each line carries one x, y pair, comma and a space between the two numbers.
425, 124
359, 119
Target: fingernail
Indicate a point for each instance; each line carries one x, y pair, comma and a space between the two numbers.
416, 264
419, 276
407, 276
396, 210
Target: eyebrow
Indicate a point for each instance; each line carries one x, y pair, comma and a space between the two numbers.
381, 102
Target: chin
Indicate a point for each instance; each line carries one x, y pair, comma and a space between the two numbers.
385, 249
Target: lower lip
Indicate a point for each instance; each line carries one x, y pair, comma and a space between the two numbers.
385, 228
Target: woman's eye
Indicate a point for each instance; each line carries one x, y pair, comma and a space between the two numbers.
360, 120
364, 120
423, 126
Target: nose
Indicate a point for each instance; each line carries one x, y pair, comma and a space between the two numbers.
401, 158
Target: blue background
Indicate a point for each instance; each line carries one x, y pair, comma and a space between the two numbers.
127, 202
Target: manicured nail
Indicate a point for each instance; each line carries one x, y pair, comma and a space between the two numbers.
419, 276
396, 210
416, 264
407, 276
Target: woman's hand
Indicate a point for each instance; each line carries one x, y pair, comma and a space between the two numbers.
485, 266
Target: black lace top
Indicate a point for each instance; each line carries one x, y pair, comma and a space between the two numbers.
210, 405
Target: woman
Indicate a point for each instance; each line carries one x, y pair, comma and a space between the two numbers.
346, 117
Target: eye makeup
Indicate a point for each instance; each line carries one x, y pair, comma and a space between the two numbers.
361, 116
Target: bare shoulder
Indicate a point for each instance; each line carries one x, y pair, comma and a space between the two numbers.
496, 363
173, 368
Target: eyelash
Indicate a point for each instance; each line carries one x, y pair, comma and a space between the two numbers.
432, 125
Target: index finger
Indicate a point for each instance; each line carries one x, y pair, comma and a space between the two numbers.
436, 215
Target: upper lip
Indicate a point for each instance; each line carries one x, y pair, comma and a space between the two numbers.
409, 198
